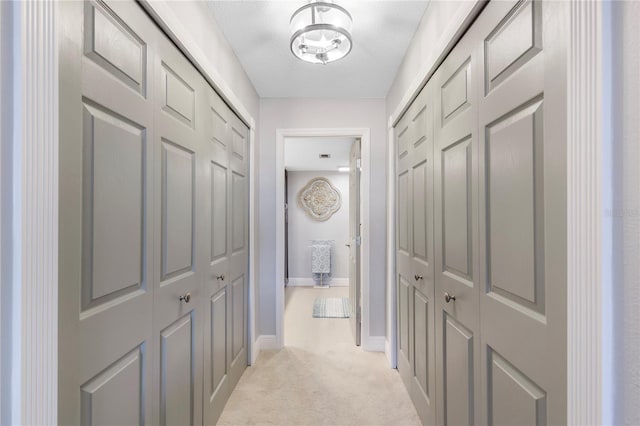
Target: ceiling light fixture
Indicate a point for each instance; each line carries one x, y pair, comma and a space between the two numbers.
321, 32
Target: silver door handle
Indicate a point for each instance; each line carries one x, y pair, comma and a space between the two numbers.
448, 298
418, 277
220, 277
186, 298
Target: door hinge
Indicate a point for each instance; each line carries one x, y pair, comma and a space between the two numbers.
358, 163
359, 240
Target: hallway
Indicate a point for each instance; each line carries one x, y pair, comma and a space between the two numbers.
320, 377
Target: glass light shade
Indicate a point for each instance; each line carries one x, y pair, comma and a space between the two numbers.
321, 32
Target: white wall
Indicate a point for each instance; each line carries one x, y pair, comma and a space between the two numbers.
321, 113
303, 229
625, 215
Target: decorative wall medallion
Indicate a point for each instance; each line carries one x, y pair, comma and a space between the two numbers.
319, 199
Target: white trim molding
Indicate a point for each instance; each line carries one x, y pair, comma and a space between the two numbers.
265, 342
373, 343
584, 213
253, 231
392, 320
364, 135
34, 216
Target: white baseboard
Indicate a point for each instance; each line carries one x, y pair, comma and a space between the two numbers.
309, 282
374, 343
388, 352
266, 342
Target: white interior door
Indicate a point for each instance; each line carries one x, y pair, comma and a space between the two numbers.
177, 315
153, 227
523, 225
239, 240
217, 345
106, 234
456, 243
500, 222
225, 328
354, 241
414, 257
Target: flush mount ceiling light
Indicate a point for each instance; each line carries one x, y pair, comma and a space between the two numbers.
321, 32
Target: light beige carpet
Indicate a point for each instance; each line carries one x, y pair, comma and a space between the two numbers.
320, 377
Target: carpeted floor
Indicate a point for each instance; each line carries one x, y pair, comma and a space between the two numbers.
320, 378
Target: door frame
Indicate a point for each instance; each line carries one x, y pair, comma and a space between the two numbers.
364, 135
589, 251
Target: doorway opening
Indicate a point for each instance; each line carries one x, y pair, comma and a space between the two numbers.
322, 250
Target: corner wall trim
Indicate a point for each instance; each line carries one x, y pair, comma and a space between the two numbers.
33, 341
584, 214
388, 352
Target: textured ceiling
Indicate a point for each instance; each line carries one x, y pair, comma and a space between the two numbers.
258, 32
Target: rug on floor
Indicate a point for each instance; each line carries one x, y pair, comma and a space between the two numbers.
331, 307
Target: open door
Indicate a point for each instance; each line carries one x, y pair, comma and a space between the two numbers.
354, 241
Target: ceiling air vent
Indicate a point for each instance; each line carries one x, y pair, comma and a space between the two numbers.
324, 155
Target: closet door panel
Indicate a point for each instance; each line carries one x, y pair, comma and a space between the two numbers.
457, 209
177, 209
112, 44
523, 172
414, 257
239, 259
116, 395
179, 304
218, 341
226, 328
458, 370
218, 321
219, 221
456, 243
423, 335
177, 371
105, 235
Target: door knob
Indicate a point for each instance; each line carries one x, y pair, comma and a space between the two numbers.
448, 298
220, 277
418, 277
186, 298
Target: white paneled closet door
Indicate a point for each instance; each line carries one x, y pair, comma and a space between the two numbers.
414, 256
456, 243
178, 310
153, 227
522, 177
106, 239
217, 340
226, 281
499, 212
